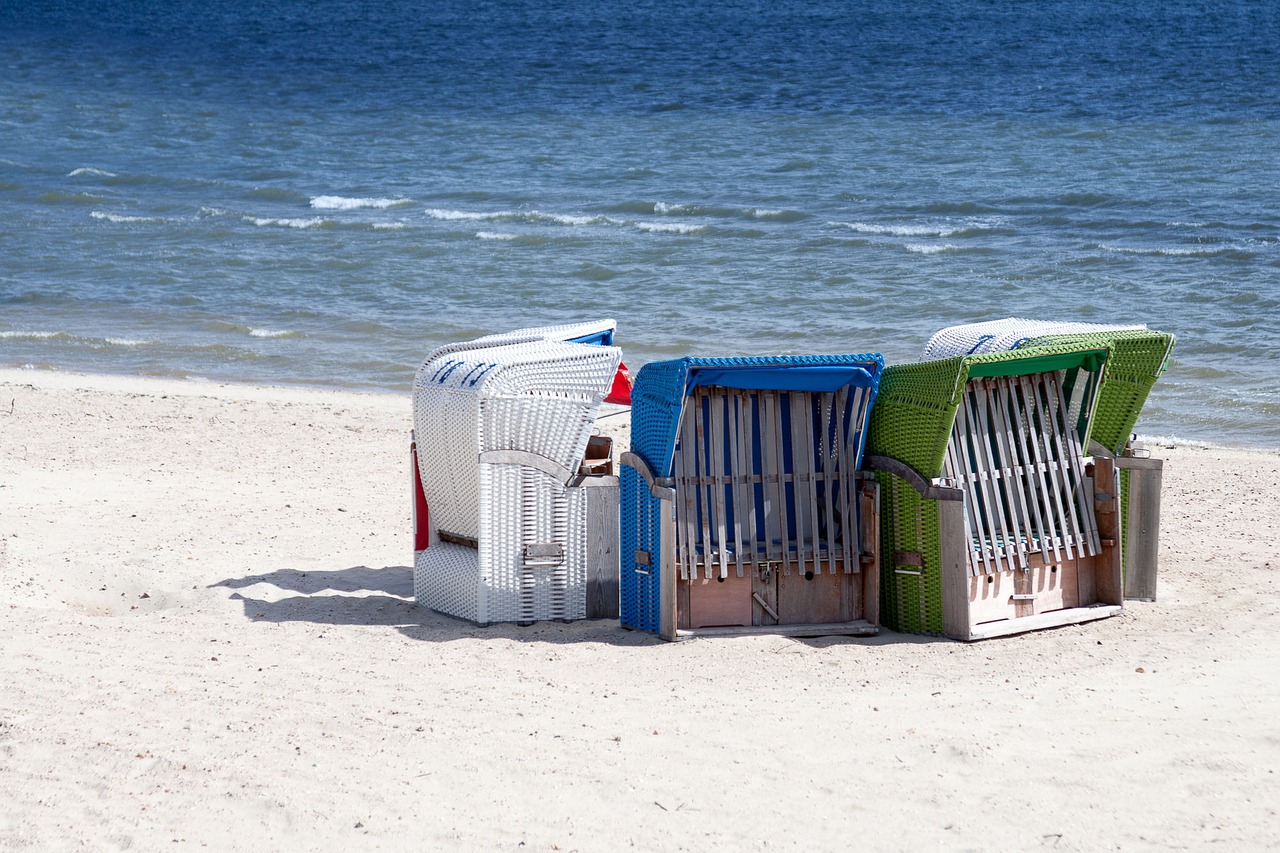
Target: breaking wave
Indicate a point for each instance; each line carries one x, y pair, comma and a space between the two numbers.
337, 202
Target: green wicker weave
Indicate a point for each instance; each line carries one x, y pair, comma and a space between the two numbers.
912, 423
1137, 360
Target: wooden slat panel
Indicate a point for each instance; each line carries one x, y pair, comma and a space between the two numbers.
785, 522
739, 476
749, 441
845, 466
602, 549
856, 442
989, 476
687, 492
981, 559
1043, 480
704, 487
829, 483
667, 583
1004, 425
1004, 485
799, 515
806, 498
716, 458
1067, 522
1075, 456
1034, 494
770, 481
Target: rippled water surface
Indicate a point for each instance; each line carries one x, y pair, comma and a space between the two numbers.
319, 192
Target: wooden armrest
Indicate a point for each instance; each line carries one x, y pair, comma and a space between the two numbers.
530, 460
659, 487
927, 490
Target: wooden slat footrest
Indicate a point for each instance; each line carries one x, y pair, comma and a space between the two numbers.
1053, 619
858, 628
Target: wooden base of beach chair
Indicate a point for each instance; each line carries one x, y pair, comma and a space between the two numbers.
602, 546
1044, 594
789, 599
770, 595
856, 628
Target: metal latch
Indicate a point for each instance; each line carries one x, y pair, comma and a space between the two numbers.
544, 554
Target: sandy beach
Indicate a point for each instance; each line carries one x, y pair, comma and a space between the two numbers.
208, 637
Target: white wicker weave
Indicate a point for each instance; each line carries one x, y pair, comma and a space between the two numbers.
1003, 335
501, 426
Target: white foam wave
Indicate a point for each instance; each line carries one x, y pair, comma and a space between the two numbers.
903, 230
495, 235
18, 334
927, 249
1171, 251
126, 342
1174, 441
272, 333
571, 219
121, 218
337, 202
1186, 224
665, 209
466, 215
670, 227
389, 226
314, 222
214, 211
760, 213
89, 170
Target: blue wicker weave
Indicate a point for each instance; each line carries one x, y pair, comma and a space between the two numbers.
656, 403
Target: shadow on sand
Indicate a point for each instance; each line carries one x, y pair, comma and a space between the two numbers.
384, 597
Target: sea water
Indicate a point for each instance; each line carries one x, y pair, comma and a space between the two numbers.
320, 191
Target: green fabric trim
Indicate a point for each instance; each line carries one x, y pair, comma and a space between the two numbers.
1090, 360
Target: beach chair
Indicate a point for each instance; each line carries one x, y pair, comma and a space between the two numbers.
995, 520
1138, 357
742, 506
508, 526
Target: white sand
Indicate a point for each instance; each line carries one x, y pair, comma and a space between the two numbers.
207, 636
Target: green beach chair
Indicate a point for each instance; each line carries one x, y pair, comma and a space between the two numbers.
995, 520
1138, 357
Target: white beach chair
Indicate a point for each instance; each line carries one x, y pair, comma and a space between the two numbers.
501, 427
1008, 334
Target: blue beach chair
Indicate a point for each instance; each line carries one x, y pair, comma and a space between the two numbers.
742, 507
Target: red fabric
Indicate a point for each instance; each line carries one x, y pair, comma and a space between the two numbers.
421, 527
620, 393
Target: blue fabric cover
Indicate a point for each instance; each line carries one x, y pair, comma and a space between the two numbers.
603, 338
661, 386
781, 377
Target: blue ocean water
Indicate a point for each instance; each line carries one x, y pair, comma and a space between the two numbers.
319, 191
